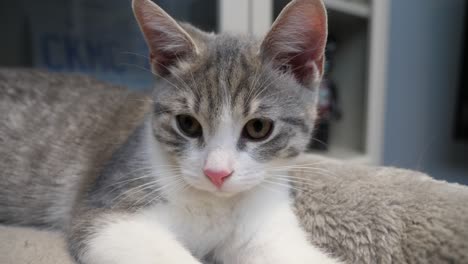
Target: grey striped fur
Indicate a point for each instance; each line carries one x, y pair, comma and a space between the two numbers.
230, 74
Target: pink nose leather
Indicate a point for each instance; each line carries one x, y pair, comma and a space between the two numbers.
217, 177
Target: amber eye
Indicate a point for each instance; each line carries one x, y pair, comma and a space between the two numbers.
189, 126
258, 129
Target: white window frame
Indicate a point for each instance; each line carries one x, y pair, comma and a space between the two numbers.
253, 17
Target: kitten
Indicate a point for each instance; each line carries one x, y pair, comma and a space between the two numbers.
195, 178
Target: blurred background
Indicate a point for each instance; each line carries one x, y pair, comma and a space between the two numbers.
395, 92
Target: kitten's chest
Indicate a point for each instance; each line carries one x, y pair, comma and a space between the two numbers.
199, 227
208, 225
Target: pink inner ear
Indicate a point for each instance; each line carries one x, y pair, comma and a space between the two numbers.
298, 39
166, 40
163, 60
306, 65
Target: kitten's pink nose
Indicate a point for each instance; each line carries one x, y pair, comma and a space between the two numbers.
217, 177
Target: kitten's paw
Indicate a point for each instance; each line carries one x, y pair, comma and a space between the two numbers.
134, 239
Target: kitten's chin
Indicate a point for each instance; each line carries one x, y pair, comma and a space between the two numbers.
213, 192
225, 191
222, 193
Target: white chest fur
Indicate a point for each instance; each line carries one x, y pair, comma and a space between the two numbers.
257, 228
206, 223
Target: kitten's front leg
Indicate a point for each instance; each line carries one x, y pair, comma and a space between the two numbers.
115, 238
271, 234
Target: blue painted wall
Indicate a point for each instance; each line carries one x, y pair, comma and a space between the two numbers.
422, 82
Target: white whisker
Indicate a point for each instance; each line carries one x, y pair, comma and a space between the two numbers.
139, 188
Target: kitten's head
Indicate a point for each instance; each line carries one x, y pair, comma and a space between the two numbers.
229, 110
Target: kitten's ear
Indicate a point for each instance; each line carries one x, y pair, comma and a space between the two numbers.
166, 39
297, 40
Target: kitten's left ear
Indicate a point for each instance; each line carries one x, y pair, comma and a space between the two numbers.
166, 39
297, 40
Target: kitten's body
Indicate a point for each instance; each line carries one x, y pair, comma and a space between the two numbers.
55, 130
129, 182
46, 168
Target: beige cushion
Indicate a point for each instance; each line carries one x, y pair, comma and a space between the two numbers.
19, 245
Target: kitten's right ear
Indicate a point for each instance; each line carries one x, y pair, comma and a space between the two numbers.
166, 40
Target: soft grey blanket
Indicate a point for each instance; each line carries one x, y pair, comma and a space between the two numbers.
361, 214
383, 215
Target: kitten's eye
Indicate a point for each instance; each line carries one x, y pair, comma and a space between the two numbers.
189, 126
258, 129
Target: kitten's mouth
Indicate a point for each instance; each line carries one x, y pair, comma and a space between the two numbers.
213, 190
226, 190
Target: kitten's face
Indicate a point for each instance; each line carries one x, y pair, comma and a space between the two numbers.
230, 111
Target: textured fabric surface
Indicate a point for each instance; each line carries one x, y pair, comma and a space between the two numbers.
361, 214
30, 246
382, 215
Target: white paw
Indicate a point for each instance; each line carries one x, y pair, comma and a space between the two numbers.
135, 240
